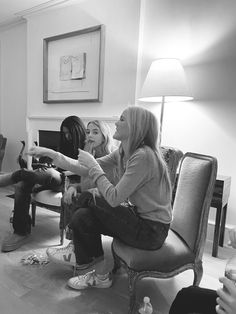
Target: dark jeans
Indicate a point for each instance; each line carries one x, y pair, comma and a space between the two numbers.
50, 178
97, 217
194, 300
67, 213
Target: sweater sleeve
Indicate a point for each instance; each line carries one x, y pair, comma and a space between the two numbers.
70, 164
136, 174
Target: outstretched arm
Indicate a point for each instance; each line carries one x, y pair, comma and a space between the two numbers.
59, 160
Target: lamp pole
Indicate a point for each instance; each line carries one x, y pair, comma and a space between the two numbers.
161, 118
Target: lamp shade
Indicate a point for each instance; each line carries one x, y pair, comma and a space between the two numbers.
165, 78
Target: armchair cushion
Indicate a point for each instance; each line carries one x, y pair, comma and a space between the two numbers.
173, 254
48, 197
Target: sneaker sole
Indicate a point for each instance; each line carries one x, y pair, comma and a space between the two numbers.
104, 286
12, 247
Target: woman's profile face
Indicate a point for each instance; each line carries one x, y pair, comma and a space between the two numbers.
66, 133
122, 128
94, 135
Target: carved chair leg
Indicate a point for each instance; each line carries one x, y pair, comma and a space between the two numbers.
198, 272
116, 260
33, 213
132, 278
61, 236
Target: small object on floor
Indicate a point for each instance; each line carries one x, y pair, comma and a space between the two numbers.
13, 241
35, 259
90, 280
146, 306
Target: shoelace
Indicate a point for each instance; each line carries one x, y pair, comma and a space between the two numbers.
88, 275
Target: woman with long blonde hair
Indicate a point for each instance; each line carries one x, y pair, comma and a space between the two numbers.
136, 208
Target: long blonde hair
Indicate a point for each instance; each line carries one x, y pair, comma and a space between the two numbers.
107, 145
143, 131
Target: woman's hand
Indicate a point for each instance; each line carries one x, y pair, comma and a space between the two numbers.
38, 151
227, 297
86, 159
69, 194
89, 147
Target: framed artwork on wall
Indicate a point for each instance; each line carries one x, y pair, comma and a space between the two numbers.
73, 65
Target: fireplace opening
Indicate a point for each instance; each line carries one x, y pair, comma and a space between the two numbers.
49, 139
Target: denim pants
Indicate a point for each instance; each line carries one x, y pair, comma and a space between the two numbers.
194, 299
97, 217
25, 180
67, 213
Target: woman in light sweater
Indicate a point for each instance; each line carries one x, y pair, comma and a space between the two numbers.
135, 195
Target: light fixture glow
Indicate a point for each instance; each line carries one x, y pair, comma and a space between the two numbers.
165, 78
165, 82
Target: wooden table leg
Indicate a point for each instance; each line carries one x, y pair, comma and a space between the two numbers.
222, 226
216, 232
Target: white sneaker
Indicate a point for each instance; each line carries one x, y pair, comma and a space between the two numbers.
64, 255
90, 280
13, 241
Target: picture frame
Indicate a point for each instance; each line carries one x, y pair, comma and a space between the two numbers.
73, 66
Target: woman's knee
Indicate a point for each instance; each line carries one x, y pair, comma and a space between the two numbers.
80, 218
23, 175
23, 187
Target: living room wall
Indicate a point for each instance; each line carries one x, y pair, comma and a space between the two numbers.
206, 44
13, 91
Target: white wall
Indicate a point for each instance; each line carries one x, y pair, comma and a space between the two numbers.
13, 91
203, 35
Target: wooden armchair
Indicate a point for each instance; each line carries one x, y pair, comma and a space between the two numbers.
50, 200
183, 248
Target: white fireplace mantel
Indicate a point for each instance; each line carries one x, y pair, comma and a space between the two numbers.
40, 122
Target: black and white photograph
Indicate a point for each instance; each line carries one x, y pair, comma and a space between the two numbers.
117, 167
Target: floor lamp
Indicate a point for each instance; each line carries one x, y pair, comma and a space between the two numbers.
165, 81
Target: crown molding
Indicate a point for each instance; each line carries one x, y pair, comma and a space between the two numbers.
40, 7
20, 17
11, 22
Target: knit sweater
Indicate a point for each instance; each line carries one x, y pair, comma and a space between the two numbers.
138, 181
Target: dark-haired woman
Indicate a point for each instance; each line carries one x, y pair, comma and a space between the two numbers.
72, 137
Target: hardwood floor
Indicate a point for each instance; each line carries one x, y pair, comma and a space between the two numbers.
42, 289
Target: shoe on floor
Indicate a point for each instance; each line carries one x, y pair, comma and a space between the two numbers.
66, 256
90, 280
63, 255
13, 241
